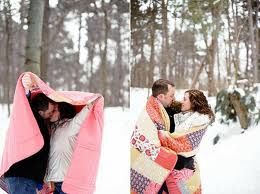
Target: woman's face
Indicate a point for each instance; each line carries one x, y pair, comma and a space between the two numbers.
186, 104
56, 115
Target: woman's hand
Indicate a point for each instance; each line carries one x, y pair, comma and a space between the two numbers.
164, 136
92, 102
48, 188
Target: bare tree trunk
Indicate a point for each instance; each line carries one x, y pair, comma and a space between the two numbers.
120, 79
104, 54
45, 42
91, 57
79, 37
8, 30
197, 74
252, 40
229, 47
218, 13
218, 64
142, 72
152, 54
22, 41
247, 61
211, 61
76, 75
227, 62
166, 38
175, 52
91, 53
152, 63
182, 72
34, 36
236, 60
215, 11
173, 56
165, 43
257, 42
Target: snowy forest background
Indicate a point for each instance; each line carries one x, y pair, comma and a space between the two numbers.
204, 44
98, 64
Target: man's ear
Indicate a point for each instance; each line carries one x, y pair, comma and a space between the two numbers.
160, 96
41, 113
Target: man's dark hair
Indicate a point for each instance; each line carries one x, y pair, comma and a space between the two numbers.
40, 102
160, 86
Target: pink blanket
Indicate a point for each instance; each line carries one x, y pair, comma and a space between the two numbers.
24, 138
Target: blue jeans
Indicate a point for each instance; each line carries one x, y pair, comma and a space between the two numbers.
58, 188
20, 185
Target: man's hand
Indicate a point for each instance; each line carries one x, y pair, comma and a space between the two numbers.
27, 82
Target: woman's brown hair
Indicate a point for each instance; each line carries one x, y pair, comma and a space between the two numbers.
199, 103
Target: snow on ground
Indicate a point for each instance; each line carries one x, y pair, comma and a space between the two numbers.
4, 121
114, 175
230, 166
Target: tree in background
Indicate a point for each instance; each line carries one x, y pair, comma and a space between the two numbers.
197, 44
8, 50
98, 64
34, 36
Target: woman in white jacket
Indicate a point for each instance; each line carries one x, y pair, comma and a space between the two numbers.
65, 126
190, 126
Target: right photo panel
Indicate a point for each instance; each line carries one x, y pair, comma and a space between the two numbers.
194, 96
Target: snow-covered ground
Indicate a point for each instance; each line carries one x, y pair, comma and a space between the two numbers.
229, 167
232, 165
114, 175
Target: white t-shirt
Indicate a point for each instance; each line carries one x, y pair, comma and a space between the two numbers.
62, 144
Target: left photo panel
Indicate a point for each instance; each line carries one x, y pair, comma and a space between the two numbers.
64, 96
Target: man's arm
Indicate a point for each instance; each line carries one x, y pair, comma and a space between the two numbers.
27, 84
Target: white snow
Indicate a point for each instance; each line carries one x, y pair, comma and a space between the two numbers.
231, 89
230, 166
114, 175
4, 121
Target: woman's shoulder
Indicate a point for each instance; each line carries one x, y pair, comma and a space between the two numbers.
195, 118
200, 119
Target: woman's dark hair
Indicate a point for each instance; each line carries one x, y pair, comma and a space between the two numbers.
67, 112
199, 103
